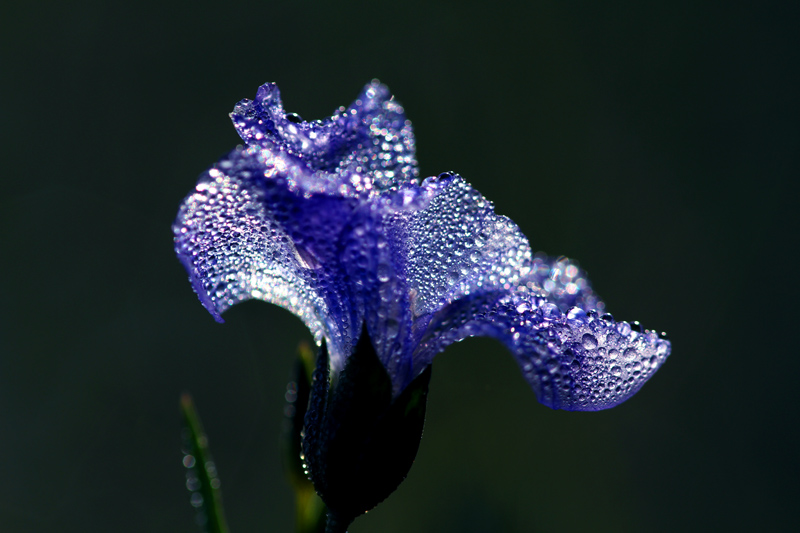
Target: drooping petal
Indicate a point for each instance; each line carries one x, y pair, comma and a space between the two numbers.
417, 251
585, 362
243, 234
577, 361
359, 151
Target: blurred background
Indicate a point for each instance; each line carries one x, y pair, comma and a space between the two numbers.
653, 142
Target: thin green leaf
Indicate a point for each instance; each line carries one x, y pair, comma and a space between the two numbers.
201, 478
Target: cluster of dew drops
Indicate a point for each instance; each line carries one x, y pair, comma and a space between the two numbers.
369, 145
468, 245
228, 234
591, 360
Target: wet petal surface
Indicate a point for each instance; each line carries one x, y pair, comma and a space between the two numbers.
416, 251
361, 150
577, 361
244, 235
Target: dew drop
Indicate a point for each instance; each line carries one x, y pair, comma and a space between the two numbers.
577, 314
192, 483
589, 341
551, 312
294, 118
196, 500
384, 273
392, 328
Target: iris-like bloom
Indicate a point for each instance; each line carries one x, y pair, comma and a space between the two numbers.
329, 220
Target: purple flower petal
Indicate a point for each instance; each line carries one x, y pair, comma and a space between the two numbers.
577, 361
244, 234
583, 362
420, 249
266, 220
362, 150
563, 282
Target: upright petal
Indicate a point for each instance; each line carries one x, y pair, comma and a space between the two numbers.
415, 252
266, 221
362, 150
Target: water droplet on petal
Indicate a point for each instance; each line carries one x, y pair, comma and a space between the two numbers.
384, 273
578, 314
392, 328
551, 312
589, 341
294, 118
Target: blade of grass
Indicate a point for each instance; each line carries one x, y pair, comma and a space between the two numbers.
202, 478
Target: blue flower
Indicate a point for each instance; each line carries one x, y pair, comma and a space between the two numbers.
329, 220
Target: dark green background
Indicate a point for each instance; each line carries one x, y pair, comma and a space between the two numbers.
658, 144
